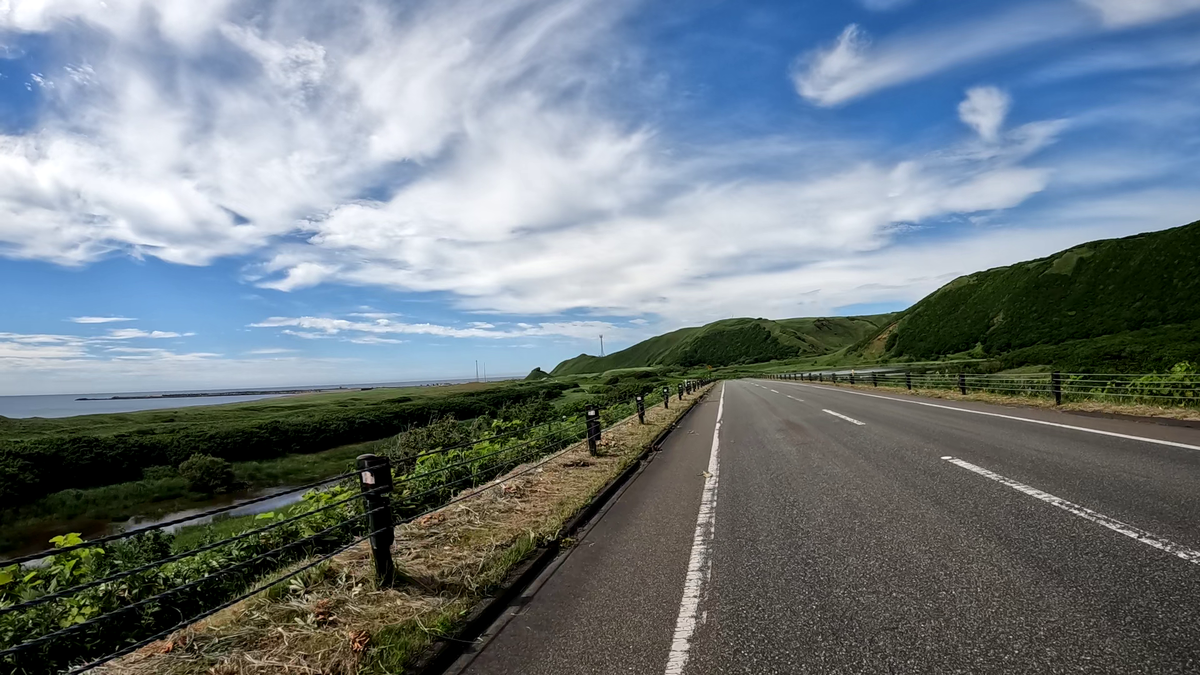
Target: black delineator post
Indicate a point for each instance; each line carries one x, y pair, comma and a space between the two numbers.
593, 429
874, 380
1056, 387
821, 377
852, 377
833, 377
666, 397
375, 478
908, 381
641, 406
680, 391
962, 384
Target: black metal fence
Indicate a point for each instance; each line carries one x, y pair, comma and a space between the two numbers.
1152, 388
85, 603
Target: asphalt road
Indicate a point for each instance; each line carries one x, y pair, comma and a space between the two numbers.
843, 531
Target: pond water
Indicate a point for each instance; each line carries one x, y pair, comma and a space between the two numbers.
37, 539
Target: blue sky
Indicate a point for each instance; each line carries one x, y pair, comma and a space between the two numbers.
235, 193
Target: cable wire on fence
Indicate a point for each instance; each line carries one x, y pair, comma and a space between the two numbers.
71, 590
468, 444
207, 613
75, 628
1128, 386
443, 469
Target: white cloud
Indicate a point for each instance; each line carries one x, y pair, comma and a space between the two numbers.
984, 110
480, 149
822, 75
40, 363
376, 340
270, 351
1121, 13
23, 349
42, 339
306, 335
838, 210
77, 368
310, 111
133, 333
854, 66
99, 319
320, 327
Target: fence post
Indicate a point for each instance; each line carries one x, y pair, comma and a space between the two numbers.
1056, 387
908, 380
666, 397
641, 406
593, 429
874, 380
375, 478
962, 384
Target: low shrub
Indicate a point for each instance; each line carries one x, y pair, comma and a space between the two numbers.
207, 474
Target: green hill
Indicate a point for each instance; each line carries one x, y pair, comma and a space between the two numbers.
1081, 295
733, 341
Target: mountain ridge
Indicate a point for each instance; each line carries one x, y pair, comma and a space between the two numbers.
732, 342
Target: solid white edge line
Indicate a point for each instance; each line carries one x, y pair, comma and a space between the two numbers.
848, 419
1011, 417
699, 562
1113, 524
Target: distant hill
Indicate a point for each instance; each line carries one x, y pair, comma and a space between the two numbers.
734, 341
1081, 295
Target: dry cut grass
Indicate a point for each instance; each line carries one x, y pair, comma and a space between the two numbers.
331, 620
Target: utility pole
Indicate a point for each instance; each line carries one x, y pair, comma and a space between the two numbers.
601, 345
476, 370
485, 372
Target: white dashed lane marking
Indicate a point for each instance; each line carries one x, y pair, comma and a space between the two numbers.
848, 419
1113, 524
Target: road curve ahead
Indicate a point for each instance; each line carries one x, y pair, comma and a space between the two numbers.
796, 528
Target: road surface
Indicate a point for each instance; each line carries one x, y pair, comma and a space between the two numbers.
831, 530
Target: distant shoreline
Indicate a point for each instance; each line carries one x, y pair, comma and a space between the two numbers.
275, 392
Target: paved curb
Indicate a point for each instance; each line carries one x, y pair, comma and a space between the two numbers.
443, 653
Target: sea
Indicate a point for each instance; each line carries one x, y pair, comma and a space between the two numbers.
67, 405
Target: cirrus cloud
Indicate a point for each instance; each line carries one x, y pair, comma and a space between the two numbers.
461, 147
99, 319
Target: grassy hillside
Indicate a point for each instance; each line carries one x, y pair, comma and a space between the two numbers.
1104, 288
733, 341
645, 353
